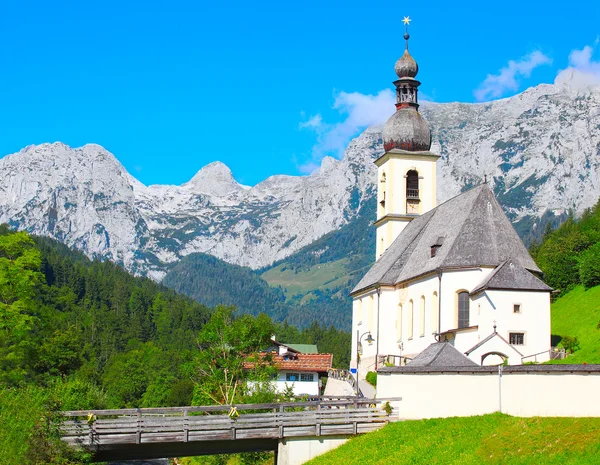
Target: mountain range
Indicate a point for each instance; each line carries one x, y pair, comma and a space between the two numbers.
540, 150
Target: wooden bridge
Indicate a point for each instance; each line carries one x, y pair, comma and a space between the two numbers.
187, 431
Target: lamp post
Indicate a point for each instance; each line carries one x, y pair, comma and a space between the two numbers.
370, 340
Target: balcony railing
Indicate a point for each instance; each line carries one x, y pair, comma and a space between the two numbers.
412, 194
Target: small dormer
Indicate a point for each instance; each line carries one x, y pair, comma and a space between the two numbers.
435, 246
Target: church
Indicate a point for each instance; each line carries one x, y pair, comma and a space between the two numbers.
455, 272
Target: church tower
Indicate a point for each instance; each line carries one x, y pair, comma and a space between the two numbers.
406, 175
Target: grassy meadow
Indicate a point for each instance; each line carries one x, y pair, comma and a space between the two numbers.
488, 439
577, 314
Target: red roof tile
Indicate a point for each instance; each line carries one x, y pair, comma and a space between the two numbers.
303, 362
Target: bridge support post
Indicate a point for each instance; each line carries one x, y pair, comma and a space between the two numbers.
296, 451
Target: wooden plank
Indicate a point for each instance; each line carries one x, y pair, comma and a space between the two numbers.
225, 408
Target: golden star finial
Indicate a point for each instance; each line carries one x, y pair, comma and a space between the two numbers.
406, 20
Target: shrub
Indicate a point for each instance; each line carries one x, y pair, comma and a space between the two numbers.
570, 344
371, 378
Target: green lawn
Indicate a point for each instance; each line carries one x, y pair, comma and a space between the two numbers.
577, 314
488, 439
321, 276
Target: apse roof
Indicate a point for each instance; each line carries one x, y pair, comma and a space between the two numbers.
512, 276
441, 354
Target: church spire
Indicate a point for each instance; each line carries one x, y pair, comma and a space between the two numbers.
406, 129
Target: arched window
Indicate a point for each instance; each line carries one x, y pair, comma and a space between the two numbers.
422, 317
434, 313
399, 323
411, 315
371, 311
463, 309
412, 185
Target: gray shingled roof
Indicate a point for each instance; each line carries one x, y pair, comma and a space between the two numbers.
475, 232
510, 275
441, 354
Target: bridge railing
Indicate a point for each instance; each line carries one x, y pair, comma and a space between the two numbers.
224, 422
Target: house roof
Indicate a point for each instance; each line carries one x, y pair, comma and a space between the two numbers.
303, 348
301, 362
474, 232
512, 276
441, 354
299, 348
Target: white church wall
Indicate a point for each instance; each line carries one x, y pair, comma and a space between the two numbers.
495, 345
393, 336
533, 319
452, 283
364, 320
555, 392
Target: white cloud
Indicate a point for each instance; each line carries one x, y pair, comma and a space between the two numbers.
495, 85
359, 111
315, 122
583, 72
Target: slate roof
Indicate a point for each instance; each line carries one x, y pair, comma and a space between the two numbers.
511, 275
475, 232
441, 354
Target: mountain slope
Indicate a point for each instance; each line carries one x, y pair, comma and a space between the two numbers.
214, 282
540, 150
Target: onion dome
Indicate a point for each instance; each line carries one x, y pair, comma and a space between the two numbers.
406, 66
406, 130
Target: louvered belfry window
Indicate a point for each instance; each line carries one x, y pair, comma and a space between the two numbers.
412, 185
463, 309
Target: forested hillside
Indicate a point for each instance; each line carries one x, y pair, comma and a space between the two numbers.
81, 334
570, 255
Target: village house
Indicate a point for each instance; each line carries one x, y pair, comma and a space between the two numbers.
300, 368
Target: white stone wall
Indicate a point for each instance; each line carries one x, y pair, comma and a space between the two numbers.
436, 395
296, 451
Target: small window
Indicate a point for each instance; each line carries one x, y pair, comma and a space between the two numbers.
307, 377
292, 377
517, 339
517, 308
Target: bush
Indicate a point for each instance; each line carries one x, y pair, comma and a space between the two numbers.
570, 344
372, 378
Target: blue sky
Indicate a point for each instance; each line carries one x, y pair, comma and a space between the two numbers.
267, 87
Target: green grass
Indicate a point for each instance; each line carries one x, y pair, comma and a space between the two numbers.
19, 411
577, 314
321, 276
489, 439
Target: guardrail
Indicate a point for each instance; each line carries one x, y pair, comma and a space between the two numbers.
209, 423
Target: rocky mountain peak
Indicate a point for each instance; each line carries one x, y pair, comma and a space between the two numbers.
540, 151
214, 179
